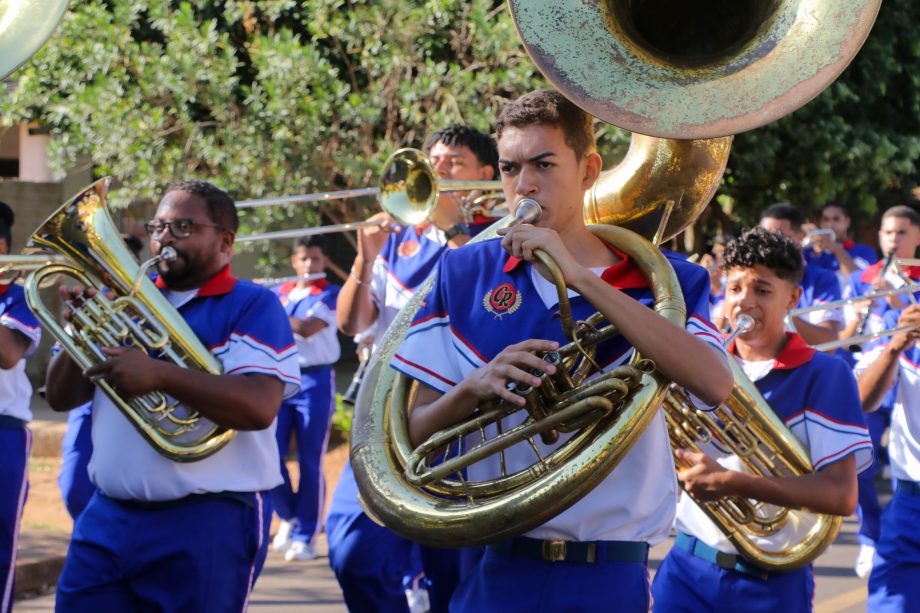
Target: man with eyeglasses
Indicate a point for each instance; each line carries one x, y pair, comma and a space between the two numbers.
162, 535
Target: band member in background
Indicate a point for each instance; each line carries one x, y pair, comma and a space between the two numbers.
819, 285
19, 336
464, 353
310, 306
899, 234
77, 444
160, 534
815, 395
369, 561
894, 584
839, 252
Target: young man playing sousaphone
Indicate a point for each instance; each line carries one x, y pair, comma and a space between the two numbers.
492, 309
815, 396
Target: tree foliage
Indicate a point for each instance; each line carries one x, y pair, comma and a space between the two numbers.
280, 96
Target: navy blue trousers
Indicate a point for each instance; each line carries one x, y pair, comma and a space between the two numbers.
15, 445
894, 585
76, 450
307, 415
200, 556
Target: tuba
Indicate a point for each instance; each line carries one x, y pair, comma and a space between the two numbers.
709, 76
80, 241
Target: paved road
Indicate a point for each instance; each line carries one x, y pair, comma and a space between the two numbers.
310, 587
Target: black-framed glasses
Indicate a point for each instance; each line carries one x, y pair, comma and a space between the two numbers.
180, 228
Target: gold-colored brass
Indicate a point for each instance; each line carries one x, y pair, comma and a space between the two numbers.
80, 241
746, 426
670, 69
452, 511
658, 174
25, 25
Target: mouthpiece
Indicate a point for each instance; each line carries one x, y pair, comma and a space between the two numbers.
168, 254
744, 323
528, 211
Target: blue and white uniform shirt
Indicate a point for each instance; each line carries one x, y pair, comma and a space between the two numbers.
245, 328
904, 435
15, 389
478, 307
314, 301
860, 284
405, 262
816, 397
820, 286
863, 256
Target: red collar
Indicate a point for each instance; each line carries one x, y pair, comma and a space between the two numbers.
849, 244
625, 274
6, 286
218, 285
869, 274
318, 286
796, 353
419, 228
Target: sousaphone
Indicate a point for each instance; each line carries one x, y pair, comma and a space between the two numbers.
686, 75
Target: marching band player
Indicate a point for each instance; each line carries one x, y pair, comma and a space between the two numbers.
370, 561
839, 252
176, 536
490, 311
19, 336
815, 395
819, 286
899, 235
310, 306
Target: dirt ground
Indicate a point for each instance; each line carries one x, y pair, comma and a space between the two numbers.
45, 510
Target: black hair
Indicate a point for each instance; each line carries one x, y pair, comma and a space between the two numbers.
783, 210
482, 145
311, 241
7, 217
836, 205
547, 107
133, 243
766, 248
904, 212
221, 207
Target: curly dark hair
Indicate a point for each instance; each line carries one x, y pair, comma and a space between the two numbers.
221, 207
767, 248
482, 145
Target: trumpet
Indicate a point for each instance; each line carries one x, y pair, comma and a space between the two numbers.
408, 190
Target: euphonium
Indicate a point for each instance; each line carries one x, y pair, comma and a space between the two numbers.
80, 241
747, 427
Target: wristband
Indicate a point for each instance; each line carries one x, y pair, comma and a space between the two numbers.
460, 228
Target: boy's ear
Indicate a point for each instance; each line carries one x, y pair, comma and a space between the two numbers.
794, 298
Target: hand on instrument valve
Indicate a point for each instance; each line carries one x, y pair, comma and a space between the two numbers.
513, 364
904, 340
706, 479
371, 239
522, 240
75, 296
131, 371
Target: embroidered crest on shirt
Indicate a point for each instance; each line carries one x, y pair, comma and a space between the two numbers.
502, 300
408, 248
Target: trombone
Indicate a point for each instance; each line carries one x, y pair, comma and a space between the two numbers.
909, 289
408, 190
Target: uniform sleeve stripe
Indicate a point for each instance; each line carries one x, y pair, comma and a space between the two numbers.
429, 317
468, 344
832, 424
829, 459
423, 369
255, 367
20, 324
697, 319
254, 343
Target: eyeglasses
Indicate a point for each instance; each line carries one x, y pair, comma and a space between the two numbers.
180, 228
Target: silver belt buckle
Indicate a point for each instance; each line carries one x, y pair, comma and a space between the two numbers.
554, 550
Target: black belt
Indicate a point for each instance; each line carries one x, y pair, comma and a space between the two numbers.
554, 550
726, 561
908, 487
159, 505
316, 368
11, 423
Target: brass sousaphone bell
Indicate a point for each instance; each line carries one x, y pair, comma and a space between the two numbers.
656, 67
